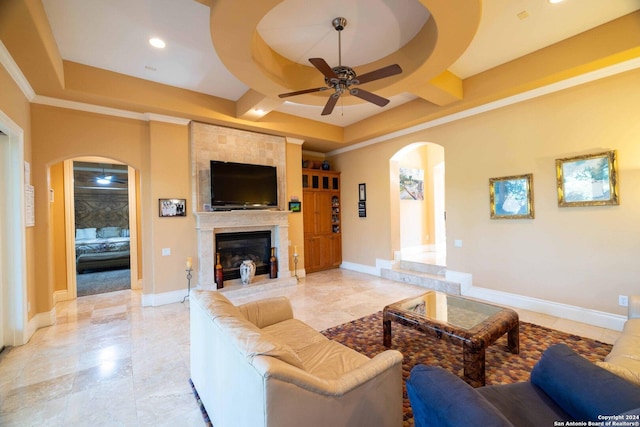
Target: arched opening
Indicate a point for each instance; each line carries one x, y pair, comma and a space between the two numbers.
95, 227
417, 190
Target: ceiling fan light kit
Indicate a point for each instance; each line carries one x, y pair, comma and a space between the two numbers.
342, 78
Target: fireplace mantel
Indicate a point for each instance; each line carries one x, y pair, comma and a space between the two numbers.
241, 218
210, 223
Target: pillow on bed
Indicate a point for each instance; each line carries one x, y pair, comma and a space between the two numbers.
107, 232
85, 233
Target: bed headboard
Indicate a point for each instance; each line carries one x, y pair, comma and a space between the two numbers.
102, 210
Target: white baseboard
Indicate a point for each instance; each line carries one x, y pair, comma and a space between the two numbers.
360, 268
563, 311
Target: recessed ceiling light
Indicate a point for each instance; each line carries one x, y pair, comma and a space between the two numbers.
555, 1
158, 43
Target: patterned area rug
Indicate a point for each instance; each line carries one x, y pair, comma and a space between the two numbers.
365, 336
205, 416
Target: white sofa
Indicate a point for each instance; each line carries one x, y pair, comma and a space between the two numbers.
624, 358
255, 365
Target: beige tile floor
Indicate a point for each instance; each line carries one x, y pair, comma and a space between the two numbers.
110, 362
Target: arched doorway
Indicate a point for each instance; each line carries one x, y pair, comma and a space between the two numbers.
417, 179
99, 238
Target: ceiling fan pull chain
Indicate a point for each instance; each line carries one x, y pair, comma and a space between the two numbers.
339, 48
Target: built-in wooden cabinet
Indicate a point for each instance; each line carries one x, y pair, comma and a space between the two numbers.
322, 219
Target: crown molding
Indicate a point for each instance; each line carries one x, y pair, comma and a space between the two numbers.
296, 141
152, 117
89, 108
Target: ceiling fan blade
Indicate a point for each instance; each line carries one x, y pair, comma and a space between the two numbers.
380, 73
323, 67
301, 92
331, 102
368, 96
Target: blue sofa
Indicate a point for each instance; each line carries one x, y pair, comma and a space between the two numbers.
563, 386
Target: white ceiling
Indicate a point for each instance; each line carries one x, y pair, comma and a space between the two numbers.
114, 34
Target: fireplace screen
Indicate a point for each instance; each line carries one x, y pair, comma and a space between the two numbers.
237, 247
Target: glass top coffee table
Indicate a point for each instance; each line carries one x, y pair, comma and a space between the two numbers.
474, 324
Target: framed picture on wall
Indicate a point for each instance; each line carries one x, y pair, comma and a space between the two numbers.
589, 180
295, 206
362, 209
172, 207
511, 197
362, 192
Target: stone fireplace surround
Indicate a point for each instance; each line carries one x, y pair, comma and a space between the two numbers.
208, 224
210, 142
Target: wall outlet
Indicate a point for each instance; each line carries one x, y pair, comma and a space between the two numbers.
623, 300
166, 251
457, 243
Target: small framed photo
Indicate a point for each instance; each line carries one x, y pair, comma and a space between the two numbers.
589, 180
511, 197
362, 192
362, 209
295, 206
173, 207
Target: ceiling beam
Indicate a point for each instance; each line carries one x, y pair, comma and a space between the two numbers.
441, 90
253, 105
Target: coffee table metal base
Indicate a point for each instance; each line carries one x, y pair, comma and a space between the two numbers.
474, 341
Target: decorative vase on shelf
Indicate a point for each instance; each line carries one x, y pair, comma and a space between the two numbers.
247, 271
218, 272
273, 265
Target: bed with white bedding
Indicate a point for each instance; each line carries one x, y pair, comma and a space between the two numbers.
100, 248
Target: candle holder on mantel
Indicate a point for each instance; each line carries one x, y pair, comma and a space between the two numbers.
188, 270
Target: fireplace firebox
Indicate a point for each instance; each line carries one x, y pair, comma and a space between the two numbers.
237, 247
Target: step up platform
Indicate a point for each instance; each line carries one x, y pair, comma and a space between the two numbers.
428, 276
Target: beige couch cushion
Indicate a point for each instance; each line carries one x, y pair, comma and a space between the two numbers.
215, 304
251, 341
295, 333
267, 312
330, 360
632, 326
624, 358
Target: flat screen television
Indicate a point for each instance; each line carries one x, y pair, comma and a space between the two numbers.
243, 186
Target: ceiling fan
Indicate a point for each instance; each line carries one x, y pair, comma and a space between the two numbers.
342, 78
105, 179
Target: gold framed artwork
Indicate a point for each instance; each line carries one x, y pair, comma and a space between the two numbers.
588, 180
511, 197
